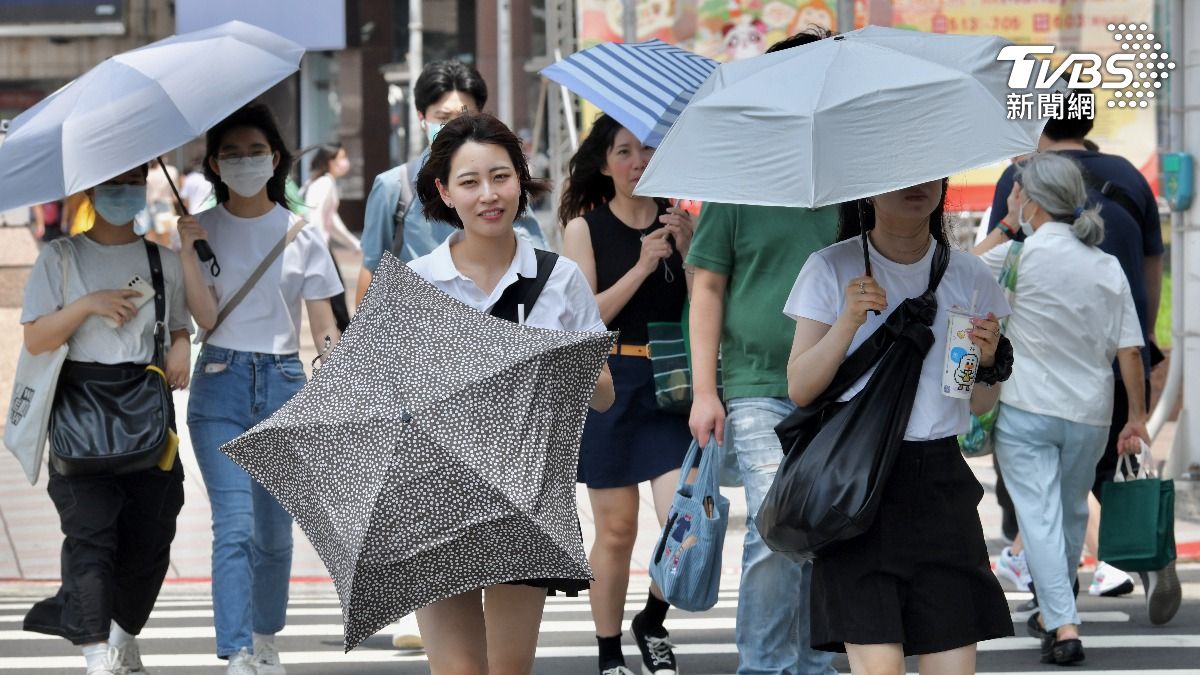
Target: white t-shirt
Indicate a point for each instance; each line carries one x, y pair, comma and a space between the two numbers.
566, 302
819, 295
1072, 311
96, 268
268, 319
196, 190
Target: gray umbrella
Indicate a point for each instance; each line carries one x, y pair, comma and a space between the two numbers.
435, 453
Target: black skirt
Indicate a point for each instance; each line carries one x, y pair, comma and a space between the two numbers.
920, 577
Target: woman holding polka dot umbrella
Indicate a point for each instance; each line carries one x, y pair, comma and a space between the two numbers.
432, 460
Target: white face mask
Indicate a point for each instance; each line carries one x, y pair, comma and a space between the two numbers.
1026, 226
247, 175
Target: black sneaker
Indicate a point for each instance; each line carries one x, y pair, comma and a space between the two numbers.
658, 656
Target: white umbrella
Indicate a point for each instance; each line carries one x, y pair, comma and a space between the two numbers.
136, 106
852, 116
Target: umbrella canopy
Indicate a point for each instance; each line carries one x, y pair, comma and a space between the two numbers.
642, 85
136, 106
852, 116
435, 452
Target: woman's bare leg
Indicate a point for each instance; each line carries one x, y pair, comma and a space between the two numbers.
616, 513
455, 635
886, 659
959, 661
514, 616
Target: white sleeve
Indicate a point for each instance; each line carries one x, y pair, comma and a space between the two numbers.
43, 291
994, 257
321, 279
1131, 328
816, 294
582, 313
991, 295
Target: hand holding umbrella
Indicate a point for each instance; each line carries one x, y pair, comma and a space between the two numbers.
203, 250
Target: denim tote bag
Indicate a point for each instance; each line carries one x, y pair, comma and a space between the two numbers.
687, 559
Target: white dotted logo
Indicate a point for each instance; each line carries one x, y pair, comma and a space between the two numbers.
1151, 64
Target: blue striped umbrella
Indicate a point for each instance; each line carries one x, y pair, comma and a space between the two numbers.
643, 85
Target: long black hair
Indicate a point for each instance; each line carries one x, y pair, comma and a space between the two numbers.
323, 155
587, 187
257, 116
478, 128
858, 215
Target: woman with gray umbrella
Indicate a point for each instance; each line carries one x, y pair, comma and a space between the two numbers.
477, 180
918, 581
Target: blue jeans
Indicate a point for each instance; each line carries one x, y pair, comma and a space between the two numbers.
252, 534
773, 624
1048, 464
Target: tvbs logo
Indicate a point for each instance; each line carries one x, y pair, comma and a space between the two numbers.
1135, 72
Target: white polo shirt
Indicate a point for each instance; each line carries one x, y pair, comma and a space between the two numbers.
1072, 311
566, 303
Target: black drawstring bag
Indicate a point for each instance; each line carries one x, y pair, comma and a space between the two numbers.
114, 419
838, 455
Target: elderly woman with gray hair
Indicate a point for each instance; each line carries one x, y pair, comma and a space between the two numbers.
1072, 313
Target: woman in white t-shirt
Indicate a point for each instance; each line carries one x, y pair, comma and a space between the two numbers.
477, 179
248, 368
329, 162
918, 582
1073, 313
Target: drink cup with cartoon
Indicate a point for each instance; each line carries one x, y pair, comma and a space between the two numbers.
962, 356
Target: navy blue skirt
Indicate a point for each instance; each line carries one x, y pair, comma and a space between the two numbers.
633, 441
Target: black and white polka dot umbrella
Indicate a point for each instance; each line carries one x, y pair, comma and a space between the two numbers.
435, 453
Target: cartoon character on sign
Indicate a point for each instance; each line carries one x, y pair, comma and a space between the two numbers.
815, 13
964, 375
745, 36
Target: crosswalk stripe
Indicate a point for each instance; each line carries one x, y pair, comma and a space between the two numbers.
586, 627
710, 649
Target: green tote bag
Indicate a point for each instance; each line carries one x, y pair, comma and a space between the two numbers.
1137, 532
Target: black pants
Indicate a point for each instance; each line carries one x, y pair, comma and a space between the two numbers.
1106, 468
118, 532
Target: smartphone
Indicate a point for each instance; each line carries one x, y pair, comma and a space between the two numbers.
145, 294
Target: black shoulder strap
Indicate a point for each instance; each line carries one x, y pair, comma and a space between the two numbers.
525, 290
862, 359
1115, 193
160, 300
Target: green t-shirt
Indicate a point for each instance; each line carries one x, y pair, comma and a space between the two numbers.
761, 250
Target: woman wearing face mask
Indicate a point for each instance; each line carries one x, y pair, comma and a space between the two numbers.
117, 528
477, 180
1069, 322
631, 250
249, 367
918, 581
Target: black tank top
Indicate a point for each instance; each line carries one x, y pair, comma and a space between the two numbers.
617, 248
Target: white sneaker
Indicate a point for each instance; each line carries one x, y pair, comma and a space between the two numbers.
111, 665
131, 658
266, 659
1109, 582
241, 663
408, 641
1013, 568
616, 670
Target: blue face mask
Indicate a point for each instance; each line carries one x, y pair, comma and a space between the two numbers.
118, 204
432, 129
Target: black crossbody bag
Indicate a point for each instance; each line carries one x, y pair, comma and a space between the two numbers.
114, 419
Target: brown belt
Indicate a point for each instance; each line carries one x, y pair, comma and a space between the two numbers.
630, 350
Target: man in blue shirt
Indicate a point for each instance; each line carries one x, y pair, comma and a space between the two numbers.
394, 220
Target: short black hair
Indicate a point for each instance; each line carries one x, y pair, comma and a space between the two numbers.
257, 116
442, 77
1064, 128
477, 128
804, 37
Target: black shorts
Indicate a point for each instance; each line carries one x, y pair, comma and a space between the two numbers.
920, 577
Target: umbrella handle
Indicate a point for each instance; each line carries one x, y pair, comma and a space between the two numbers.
866, 251
203, 250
